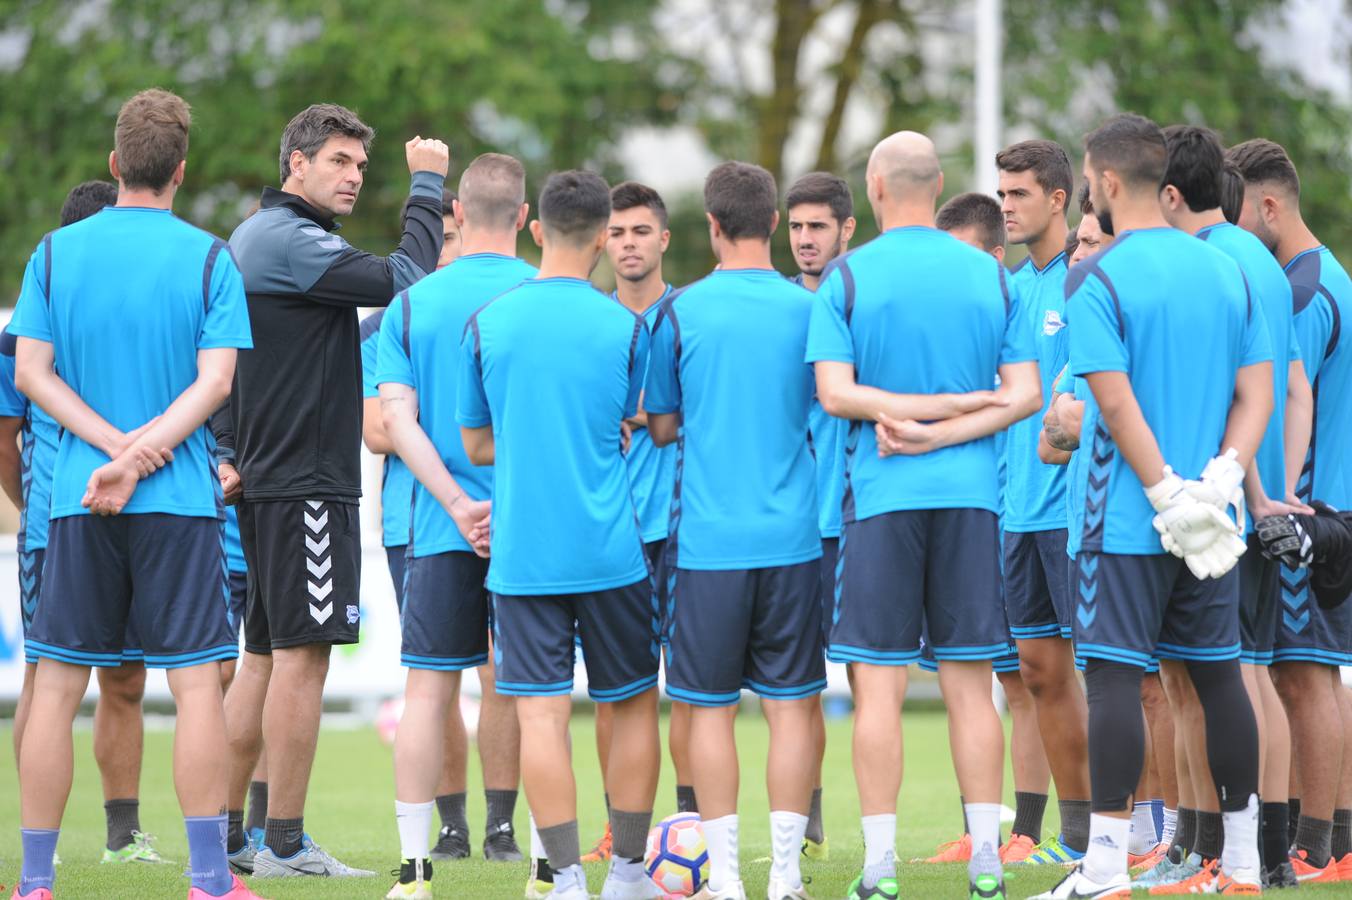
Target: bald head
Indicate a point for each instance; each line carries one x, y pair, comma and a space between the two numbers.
492, 189
908, 166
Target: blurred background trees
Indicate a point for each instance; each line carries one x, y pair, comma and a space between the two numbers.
637, 89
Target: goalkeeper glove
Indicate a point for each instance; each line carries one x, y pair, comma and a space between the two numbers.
1285, 540
1222, 486
1195, 531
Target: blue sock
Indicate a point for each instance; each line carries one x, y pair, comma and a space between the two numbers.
1157, 810
206, 854
39, 848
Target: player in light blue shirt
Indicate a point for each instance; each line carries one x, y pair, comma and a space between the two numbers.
135, 498
1156, 312
548, 372
1312, 642
820, 212
445, 613
727, 383
910, 331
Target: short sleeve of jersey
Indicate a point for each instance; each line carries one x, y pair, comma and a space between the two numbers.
1257, 341
227, 319
1096, 342
1313, 327
1019, 345
12, 403
1293, 350
662, 394
828, 334
31, 316
638, 367
370, 351
392, 365
1065, 382
471, 402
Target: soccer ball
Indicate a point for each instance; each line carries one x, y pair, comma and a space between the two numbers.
676, 860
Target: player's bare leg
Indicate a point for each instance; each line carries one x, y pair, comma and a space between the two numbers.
1032, 774
1342, 810
23, 707
713, 763
1048, 669
244, 723
420, 755
977, 742
1160, 734
789, 778
678, 745
119, 735
500, 759
1307, 690
604, 733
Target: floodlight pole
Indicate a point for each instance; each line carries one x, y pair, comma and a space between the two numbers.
989, 53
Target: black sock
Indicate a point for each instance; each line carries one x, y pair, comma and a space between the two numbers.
1274, 841
123, 817
1293, 805
1074, 824
234, 835
1342, 833
685, 799
1028, 810
283, 836
501, 807
607, 806
1208, 835
258, 806
451, 809
1185, 833
816, 831
1315, 837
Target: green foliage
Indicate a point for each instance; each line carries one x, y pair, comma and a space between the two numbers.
553, 83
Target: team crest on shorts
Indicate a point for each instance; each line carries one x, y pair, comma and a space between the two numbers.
1051, 323
353, 614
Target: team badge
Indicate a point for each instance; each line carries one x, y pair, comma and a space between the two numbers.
1051, 323
353, 614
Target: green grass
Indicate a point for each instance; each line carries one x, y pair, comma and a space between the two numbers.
350, 812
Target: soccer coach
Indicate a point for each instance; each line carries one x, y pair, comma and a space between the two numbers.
289, 443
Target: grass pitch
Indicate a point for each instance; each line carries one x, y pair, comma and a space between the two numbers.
351, 814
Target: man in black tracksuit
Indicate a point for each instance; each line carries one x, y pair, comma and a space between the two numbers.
290, 442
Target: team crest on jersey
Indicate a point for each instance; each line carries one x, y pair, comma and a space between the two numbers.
1051, 323
353, 614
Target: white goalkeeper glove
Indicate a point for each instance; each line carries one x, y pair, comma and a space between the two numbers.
1222, 486
1197, 532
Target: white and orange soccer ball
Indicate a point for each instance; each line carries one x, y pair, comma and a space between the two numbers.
392, 710
676, 859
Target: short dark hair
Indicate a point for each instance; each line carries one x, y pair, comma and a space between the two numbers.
574, 205
492, 189
1072, 242
151, 138
1232, 193
743, 200
85, 199
1194, 165
823, 187
631, 194
1086, 205
1132, 146
1047, 159
447, 198
973, 210
311, 128
1261, 161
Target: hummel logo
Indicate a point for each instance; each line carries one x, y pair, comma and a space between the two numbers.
316, 547
321, 613
316, 524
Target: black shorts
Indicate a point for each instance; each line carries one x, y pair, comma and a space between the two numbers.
444, 617
239, 594
830, 556
394, 558
163, 573
304, 559
1259, 600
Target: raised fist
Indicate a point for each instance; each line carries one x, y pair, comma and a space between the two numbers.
428, 155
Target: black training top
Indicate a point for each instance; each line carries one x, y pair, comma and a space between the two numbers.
292, 424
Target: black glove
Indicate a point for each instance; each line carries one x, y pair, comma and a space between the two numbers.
1285, 540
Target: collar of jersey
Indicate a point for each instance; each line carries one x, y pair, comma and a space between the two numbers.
273, 198
149, 209
615, 295
1292, 261
1213, 226
1061, 255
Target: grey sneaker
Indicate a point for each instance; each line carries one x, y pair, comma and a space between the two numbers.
311, 859
242, 860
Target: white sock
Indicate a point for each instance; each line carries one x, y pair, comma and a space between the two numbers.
880, 838
1106, 857
414, 821
983, 824
787, 830
571, 880
537, 849
720, 837
1143, 836
1170, 825
1241, 840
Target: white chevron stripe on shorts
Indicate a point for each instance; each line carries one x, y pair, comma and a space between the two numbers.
318, 562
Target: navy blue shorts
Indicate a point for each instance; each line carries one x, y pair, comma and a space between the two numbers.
1305, 631
164, 573
901, 571
1133, 608
830, 556
618, 629
1037, 595
30, 591
394, 558
1259, 599
239, 594
1006, 663
757, 629
445, 614
656, 552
